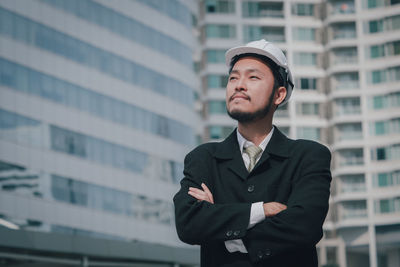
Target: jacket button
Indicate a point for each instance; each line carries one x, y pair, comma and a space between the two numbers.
250, 188
236, 233
229, 233
268, 252
260, 255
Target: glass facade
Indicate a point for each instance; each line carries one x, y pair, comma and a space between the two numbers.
26, 131
32, 82
43, 37
132, 29
106, 199
172, 8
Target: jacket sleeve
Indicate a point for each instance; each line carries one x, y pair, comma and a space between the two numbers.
300, 225
198, 222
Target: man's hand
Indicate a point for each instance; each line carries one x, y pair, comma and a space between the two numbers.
201, 195
273, 208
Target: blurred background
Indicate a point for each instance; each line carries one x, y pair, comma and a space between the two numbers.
100, 100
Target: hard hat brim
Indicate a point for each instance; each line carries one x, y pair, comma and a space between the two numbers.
235, 51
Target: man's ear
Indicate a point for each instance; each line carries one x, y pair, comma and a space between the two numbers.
280, 95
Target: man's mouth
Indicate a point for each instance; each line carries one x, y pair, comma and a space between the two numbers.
239, 95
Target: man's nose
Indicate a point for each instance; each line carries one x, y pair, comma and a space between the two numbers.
241, 85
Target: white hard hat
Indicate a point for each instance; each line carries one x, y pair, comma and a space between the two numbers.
272, 52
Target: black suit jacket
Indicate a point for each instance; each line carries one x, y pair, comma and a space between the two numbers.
293, 172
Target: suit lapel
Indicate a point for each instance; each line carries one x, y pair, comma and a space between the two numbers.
229, 150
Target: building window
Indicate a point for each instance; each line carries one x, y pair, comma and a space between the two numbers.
377, 51
306, 83
215, 56
387, 179
344, 31
354, 209
346, 81
307, 108
347, 106
305, 59
345, 55
303, 9
349, 131
350, 157
220, 6
223, 31
253, 9
217, 81
391, 152
311, 133
343, 7
304, 34
389, 205
272, 34
219, 132
216, 107
352, 183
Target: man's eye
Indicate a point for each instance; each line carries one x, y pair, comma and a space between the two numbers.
253, 77
232, 78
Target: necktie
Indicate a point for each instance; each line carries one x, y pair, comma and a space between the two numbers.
253, 152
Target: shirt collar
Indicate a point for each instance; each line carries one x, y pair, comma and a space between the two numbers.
243, 142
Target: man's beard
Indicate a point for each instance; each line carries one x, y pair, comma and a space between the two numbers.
244, 117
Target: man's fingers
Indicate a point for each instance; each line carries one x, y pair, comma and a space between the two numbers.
208, 192
199, 194
273, 208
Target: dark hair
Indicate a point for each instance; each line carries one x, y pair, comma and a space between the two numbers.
278, 79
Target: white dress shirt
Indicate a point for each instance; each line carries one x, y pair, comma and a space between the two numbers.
257, 210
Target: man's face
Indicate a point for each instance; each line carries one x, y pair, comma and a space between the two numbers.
249, 92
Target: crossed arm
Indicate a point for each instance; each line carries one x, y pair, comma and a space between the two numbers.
270, 208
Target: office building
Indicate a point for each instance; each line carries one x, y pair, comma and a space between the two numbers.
345, 57
96, 116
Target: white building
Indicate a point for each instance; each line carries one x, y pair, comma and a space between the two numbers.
96, 116
345, 57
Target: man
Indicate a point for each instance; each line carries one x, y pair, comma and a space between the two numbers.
257, 198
